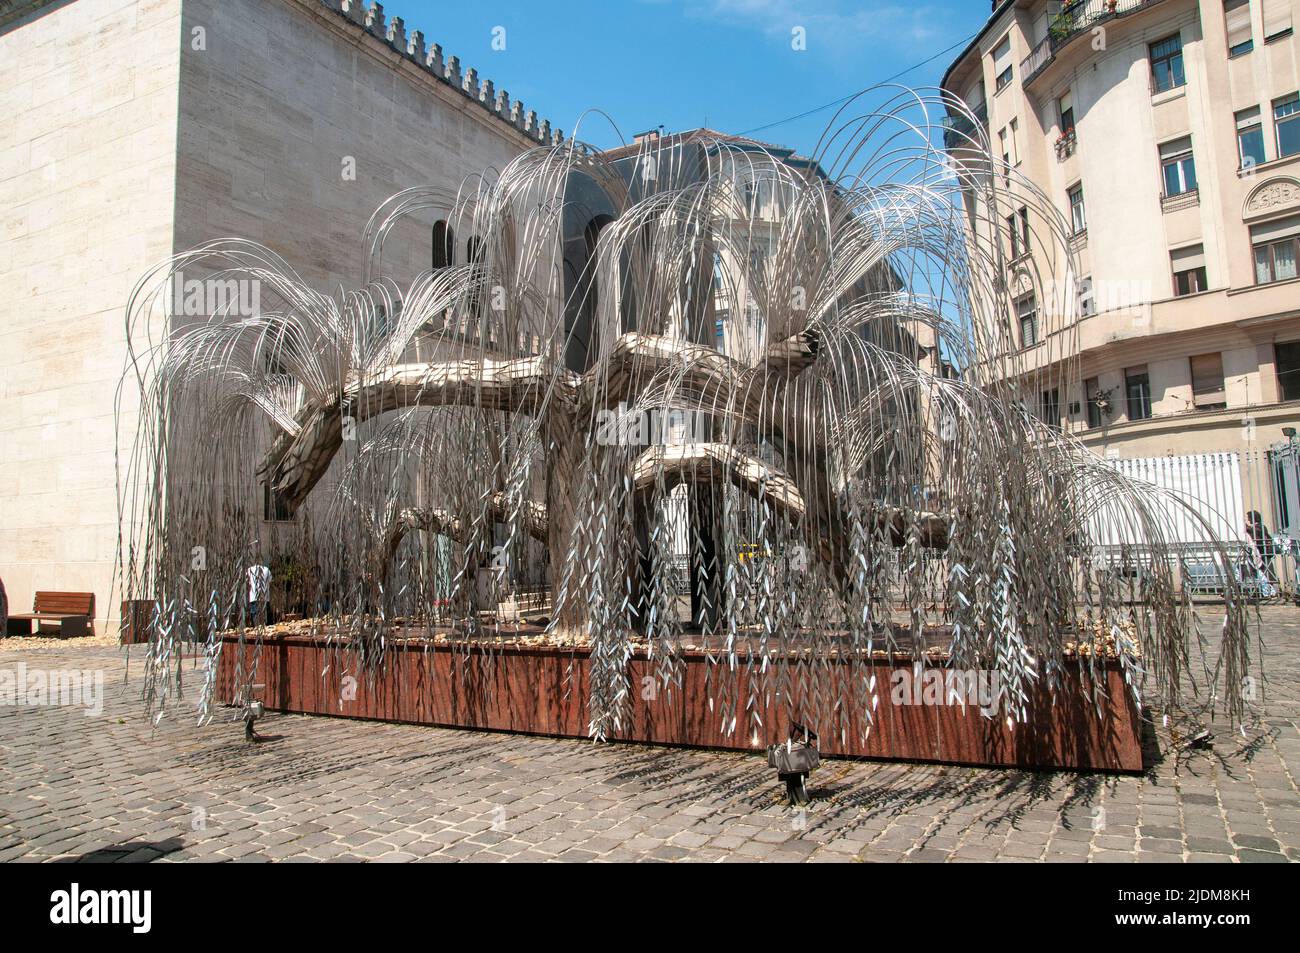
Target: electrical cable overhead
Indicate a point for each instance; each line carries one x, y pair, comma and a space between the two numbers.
844, 99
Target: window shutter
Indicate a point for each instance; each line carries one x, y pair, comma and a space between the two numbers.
1185, 259
1276, 230
1002, 56
1176, 148
1237, 16
1166, 47
1207, 379
1277, 17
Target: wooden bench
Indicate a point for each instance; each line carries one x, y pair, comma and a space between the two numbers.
73, 612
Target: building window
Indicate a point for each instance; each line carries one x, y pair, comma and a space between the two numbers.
1286, 117
1002, 63
1065, 110
1277, 19
1178, 166
1250, 137
1167, 63
1287, 360
1236, 15
274, 507
1078, 220
1207, 381
444, 245
1018, 230
1027, 315
1137, 389
1275, 245
1275, 261
1087, 304
1050, 405
1188, 266
1189, 282
1092, 390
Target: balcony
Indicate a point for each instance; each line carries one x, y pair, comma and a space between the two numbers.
959, 130
1184, 199
1065, 144
1075, 20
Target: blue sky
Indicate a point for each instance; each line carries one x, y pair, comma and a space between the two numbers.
729, 64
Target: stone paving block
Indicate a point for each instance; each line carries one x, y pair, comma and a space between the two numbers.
337, 790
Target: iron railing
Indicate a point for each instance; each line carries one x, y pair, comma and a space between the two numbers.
1073, 21
959, 130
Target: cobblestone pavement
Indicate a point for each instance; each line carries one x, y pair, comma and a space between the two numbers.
106, 787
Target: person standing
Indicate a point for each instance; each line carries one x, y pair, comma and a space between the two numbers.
259, 593
1264, 552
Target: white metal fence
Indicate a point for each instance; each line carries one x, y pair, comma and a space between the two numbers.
1247, 499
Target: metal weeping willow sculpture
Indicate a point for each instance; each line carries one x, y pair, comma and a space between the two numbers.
689, 395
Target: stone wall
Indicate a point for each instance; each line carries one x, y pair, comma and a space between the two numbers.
289, 96
87, 158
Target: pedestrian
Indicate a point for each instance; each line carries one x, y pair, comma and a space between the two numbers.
1264, 551
259, 593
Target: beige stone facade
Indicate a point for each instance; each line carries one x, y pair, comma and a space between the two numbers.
134, 129
1121, 105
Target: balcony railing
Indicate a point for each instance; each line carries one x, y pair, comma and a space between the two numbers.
1065, 144
960, 131
1180, 200
1073, 21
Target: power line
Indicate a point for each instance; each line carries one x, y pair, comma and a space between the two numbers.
844, 99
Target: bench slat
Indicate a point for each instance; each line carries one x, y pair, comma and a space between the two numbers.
70, 603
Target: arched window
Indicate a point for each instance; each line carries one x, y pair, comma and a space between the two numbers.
591, 236
444, 245
474, 256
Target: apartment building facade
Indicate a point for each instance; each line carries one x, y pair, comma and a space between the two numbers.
1166, 133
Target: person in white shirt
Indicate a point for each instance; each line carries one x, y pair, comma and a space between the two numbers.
259, 592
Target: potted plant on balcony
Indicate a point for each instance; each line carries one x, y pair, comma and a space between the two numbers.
1065, 142
1062, 26
1111, 5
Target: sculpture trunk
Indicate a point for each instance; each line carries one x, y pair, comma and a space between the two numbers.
565, 451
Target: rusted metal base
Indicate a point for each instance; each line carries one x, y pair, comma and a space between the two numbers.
543, 690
